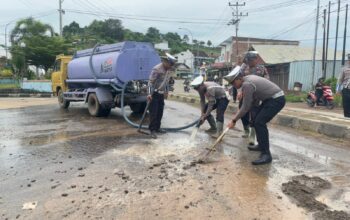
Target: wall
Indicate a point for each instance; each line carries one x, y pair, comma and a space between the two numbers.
185, 57
37, 85
8, 81
301, 71
279, 74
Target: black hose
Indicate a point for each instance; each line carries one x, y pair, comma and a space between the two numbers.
133, 124
144, 127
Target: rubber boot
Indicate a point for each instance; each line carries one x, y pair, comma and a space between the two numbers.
251, 138
263, 159
219, 129
246, 132
212, 124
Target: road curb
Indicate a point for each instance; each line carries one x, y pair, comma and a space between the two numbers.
27, 95
329, 129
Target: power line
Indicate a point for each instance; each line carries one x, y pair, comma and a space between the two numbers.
198, 21
39, 15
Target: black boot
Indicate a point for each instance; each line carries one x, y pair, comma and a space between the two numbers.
254, 148
153, 135
263, 159
161, 131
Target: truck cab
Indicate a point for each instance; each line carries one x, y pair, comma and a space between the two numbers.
58, 78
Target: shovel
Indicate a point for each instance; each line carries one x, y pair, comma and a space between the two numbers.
143, 118
195, 131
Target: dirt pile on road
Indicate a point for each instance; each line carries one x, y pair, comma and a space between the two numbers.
304, 190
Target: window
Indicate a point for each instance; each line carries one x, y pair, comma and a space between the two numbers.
57, 66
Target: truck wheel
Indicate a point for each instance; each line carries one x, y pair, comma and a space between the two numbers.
105, 112
138, 108
61, 101
95, 108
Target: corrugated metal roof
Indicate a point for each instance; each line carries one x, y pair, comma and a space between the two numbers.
273, 54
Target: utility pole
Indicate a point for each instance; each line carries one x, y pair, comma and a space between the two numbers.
236, 19
324, 42
328, 21
315, 44
61, 12
344, 40
6, 43
336, 40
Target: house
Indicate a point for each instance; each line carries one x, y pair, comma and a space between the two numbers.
288, 64
186, 57
231, 45
194, 59
163, 46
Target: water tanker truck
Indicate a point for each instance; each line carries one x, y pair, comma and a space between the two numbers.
105, 77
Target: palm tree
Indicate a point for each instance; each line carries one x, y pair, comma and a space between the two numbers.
27, 28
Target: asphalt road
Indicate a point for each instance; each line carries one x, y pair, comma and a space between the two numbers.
69, 165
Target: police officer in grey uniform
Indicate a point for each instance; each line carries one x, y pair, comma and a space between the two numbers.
251, 67
216, 96
255, 88
344, 85
158, 91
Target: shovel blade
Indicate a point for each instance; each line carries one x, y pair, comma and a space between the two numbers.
194, 133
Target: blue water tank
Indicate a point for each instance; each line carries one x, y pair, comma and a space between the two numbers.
116, 63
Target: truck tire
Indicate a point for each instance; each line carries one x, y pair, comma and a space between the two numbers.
138, 108
61, 101
95, 108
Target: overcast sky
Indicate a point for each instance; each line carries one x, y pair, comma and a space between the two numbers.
207, 19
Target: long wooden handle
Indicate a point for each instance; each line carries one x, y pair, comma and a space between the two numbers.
218, 140
144, 114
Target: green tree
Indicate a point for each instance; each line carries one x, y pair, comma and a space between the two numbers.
153, 35
29, 27
73, 29
209, 43
41, 51
186, 39
34, 43
133, 36
107, 31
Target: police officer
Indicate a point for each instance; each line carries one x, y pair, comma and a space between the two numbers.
255, 88
216, 96
251, 67
158, 91
344, 83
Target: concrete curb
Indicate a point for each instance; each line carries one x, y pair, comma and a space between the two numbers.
326, 128
31, 95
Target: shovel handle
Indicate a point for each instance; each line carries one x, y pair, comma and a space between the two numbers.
144, 114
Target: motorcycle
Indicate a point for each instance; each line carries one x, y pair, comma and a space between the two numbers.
327, 98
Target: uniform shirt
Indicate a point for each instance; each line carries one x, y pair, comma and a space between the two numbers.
158, 80
211, 92
259, 70
344, 78
255, 88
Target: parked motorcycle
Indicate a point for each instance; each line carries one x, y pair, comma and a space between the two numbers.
327, 98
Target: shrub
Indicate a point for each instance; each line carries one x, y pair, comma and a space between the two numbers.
6, 73
295, 97
338, 101
332, 82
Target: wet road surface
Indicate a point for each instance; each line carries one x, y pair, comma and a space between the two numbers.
74, 166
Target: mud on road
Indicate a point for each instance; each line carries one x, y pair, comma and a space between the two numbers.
70, 166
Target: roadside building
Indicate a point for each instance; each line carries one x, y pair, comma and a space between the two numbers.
288, 65
229, 46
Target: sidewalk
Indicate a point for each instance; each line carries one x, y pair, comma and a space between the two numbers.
295, 115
